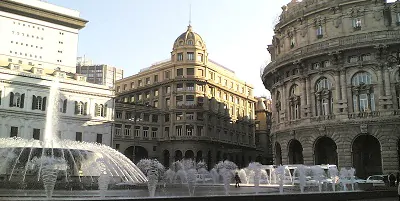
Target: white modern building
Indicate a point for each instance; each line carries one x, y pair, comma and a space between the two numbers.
38, 47
37, 33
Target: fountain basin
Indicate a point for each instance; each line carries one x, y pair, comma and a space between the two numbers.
67, 165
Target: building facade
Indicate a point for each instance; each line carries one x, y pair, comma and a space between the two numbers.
39, 34
263, 123
100, 74
334, 80
196, 108
32, 34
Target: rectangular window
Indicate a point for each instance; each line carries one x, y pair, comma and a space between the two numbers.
166, 118
168, 102
190, 86
179, 116
118, 114
189, 71
357, 23
167, 90
99, 138
199, 130
178, 130
118, 129
190, 56
154, 118
180, 57
36, 133
179, 100
14, 131
137, 131
154, 133
189, 115
155, 78
319, 32
146, 117
167, 74
117, 147
155, 104
179, 72
145, 132
127, 130
140, 83
78, 136
128, 115
200, 57
147, 80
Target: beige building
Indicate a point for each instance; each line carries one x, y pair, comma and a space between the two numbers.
335, 84
263, 123
196, 108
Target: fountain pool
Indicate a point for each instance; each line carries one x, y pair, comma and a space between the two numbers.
51, 165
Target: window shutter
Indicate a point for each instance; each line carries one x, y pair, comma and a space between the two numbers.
105, 110
64, 109
11, 99
34, 100
85, 108
22, 101
44, 104
76, 107
96, 107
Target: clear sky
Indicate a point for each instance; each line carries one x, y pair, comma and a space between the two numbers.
133, 34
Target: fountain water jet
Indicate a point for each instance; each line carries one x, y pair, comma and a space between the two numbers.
62, 164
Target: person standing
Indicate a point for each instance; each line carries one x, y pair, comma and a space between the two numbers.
237, 180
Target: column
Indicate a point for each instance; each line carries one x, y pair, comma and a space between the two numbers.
387, 81
356, 104
304, 92
284, 101
381, 83
337, 92
343, 85
308, 83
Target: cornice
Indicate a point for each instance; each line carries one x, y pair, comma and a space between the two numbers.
41, 14
370, 39
378, 121
61, 89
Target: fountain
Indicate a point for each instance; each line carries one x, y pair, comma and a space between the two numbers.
280, 175
301, 171
62, 164
333, 173
318, 175
256, 168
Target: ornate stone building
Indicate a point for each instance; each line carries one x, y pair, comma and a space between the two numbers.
196, 108
335, 84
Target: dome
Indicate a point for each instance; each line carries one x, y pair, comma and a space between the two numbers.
189, 38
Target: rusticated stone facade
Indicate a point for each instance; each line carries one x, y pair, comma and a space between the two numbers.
335, 84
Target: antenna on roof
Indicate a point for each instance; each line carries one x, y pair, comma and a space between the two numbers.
190, 13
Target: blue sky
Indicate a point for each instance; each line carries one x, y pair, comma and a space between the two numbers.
133, 34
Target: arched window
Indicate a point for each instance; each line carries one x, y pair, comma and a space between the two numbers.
363, 92
80, 108
190, 42
323, 97
294, 101
38, 103
100, 110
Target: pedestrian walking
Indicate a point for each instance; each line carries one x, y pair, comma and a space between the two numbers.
237, 180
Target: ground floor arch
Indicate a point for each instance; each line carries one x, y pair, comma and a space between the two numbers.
295, 152
189, 154
166, 157
278, 154
178, 155
325, 151
366, 155
136, 153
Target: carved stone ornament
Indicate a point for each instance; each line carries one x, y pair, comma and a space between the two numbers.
337, 21
364, 128
378, 14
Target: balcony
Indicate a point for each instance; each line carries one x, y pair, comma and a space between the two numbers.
361, 115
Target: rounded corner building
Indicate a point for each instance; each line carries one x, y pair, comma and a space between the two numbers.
335, 85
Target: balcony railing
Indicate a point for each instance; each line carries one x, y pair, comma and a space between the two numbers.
364, 115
